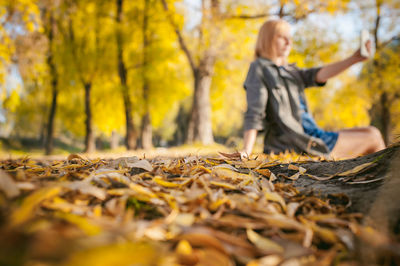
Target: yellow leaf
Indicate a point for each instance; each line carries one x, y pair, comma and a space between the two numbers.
159, 180
223, 184
25, 211
273, 196
97, 210
184, 247
83, 223
325, 234
229, 174
215, 205
263, 243
356, 169
142, 190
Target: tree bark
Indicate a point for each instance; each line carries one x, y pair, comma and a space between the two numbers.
385, 117
181, 122
50, 125
281, 14
53, 84
374, 192
131, 135
200, 127
380, 110
146, 130
90, 141
362, 187
114, 140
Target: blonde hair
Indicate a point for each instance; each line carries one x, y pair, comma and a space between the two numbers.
268, 31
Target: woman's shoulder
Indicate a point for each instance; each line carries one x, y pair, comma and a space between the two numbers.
259, 65
265, 62
255, 66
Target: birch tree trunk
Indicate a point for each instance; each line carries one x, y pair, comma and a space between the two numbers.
200, 127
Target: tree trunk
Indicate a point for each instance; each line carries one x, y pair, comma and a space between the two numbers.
147, 132
131, 135
200, 128
385, 115
181, 122
53, 84
383, 112
114, 140
52, 114
90, 144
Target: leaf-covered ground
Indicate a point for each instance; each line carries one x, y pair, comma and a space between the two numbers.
185, 211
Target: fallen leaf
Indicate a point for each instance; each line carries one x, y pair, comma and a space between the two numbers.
142, 164
27, 208
7, 185
264, 244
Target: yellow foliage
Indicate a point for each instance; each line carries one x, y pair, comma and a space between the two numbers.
12, 102
342, 103
228, 98
346, 107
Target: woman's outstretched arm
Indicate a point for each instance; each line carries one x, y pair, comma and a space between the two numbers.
331, 70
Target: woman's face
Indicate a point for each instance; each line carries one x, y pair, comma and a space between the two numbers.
282, 44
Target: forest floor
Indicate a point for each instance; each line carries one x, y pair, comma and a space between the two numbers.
199, 206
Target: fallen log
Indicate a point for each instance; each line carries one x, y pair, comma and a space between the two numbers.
373, 188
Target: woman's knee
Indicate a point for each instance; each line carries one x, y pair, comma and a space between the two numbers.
375, 137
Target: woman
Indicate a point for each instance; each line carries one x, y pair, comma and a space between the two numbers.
276, 102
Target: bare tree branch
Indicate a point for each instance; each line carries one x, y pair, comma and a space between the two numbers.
182, 42
256, 16
394, 38
266, 15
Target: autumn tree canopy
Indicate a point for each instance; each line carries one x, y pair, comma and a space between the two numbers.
154, 71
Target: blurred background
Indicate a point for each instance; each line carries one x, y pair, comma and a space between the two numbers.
118, 75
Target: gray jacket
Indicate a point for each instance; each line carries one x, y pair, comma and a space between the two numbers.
273, 106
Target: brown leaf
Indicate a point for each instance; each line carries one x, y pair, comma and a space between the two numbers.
234, 156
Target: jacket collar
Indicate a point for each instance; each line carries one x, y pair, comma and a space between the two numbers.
268, 62
283, 72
